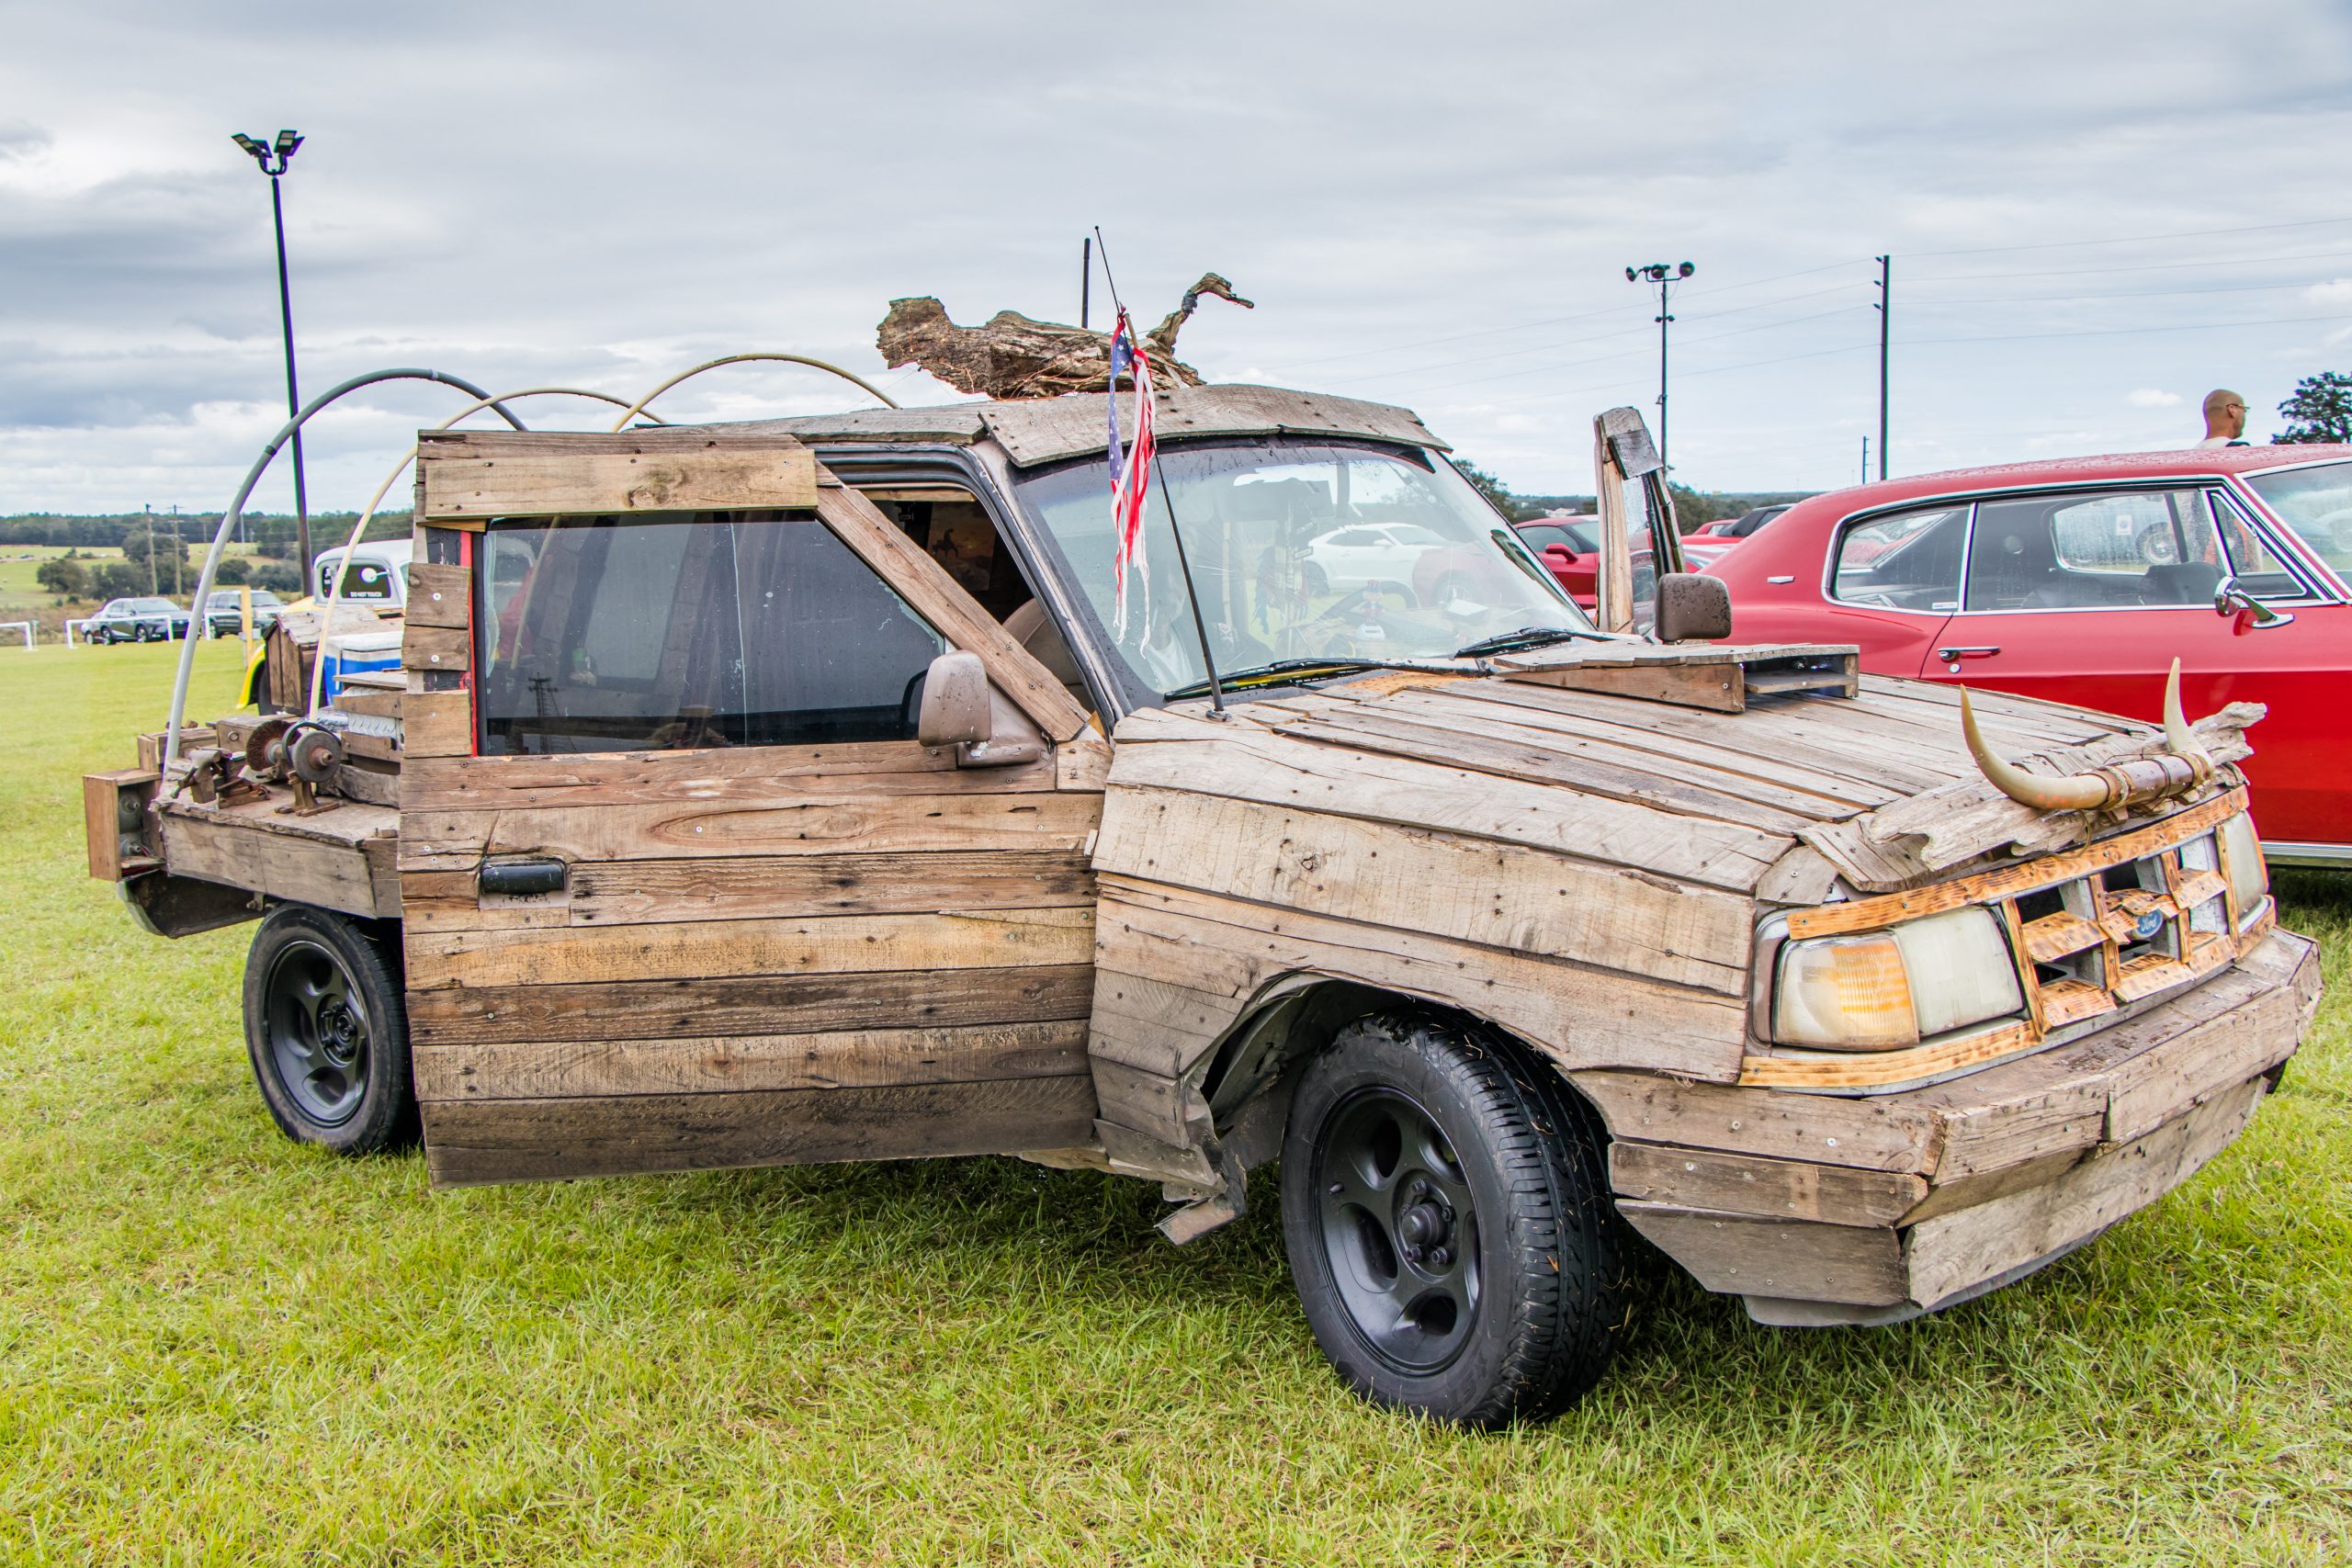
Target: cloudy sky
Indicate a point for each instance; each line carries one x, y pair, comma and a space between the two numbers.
2097, 213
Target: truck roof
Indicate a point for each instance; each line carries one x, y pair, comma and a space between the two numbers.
1037, 431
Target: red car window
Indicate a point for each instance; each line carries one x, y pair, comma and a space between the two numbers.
1903, 561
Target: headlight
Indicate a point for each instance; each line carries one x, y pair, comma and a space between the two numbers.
2249, 874
1894, 988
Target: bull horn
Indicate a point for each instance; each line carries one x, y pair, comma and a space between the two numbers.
2078, 791
2178, 739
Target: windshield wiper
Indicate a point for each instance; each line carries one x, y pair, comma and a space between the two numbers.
1525, 637
1293, 667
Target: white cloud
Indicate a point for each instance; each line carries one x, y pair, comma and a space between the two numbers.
2152, 397
2333, 294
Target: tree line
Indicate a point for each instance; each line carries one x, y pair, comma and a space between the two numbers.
161, 555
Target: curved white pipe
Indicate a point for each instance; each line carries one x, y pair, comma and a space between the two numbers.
351, 542
870, 388
236, 510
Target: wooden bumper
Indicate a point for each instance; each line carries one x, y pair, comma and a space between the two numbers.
1822, 1209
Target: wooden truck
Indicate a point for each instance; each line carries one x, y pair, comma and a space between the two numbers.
798, 791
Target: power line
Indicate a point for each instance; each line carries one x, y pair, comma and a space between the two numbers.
2127, 294
2126, 331
2147, 267
2127, 239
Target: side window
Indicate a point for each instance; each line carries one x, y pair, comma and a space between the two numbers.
1903, 561
1537, 538
2252, 564
2109, 550
664, 633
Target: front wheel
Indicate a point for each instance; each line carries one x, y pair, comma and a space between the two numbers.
326, 1027
1449, 1225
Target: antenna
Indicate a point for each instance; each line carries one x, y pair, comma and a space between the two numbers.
1168, 503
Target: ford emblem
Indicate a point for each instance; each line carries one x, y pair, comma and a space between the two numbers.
2150, 924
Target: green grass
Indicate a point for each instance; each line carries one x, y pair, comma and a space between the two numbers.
218, 1347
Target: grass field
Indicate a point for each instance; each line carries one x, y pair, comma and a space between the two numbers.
217, 1347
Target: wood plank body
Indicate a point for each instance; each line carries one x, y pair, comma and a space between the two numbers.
485, 474
322, 860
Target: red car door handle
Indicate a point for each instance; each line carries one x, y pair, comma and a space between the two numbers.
1953, 655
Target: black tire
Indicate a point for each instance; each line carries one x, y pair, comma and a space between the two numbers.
1480, 1273
326, 1028
138, 631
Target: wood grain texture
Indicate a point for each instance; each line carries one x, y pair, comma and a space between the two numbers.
728, 1064
655, 891
764, 1004
102, 795
443, 649
1796, 1260
1244, 762
1504, 895
1948, 1254
1890, 1134
485, 478
436, 724
754, 773
845, 819
469, 1142
242, 850
1576, 1016
438, 595
1797, 1189
730, 949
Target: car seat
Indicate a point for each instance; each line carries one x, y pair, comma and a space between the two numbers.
2181, 582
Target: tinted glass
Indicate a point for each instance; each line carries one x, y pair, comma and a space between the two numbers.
1300, 551
2252, 566
1903, 561
705, 629
2317, 503
2106, 550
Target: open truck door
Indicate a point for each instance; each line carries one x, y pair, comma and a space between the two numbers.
686, 884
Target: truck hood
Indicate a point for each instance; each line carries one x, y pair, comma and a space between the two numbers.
1879, 784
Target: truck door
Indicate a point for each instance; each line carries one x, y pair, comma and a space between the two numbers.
680, 888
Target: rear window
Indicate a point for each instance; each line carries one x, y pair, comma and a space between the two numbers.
1903, 561
663, 633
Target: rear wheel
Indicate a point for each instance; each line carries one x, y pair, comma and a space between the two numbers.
1449, 1224
138, 631
327, 1030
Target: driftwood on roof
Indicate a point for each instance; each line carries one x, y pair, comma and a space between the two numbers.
1014, 356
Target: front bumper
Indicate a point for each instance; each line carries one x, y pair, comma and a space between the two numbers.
1823, 1209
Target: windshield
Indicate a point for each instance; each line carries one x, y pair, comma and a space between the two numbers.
2317, 503
1301, 552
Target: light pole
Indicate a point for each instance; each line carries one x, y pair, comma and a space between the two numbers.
1665, 277
273, 161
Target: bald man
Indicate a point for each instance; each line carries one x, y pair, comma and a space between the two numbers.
2224, 419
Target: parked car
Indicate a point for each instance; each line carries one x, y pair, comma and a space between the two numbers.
223, 614
2081, 580
137, 620
1366, 553
1569, 547
1710, 541
377, 576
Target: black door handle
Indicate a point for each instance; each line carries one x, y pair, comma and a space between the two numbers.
522, 877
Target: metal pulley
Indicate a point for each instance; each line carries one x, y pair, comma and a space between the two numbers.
313, 752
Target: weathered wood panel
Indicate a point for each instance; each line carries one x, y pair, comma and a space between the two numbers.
714, 949
845, 819
469, 1142
436, 648
438, 595
763, 1004
295, 866
1240, 762
637, 778
1498, 894
1579, 1017
1888, 1134
436, 724
652, 891
1796, 1260
1951, 1252
864, 1058
1784, 1189
485, 478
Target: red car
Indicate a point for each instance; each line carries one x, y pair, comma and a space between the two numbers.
2080, 581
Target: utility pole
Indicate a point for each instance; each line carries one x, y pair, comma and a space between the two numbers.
288, 142
1665, 277
1885, 322
1866, 459
1085, 280
155, 586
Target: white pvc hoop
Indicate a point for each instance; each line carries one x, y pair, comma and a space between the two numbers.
70, 625
25, 626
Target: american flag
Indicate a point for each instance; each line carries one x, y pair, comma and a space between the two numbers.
1130, 472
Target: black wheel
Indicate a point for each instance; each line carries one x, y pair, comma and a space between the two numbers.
327, 1031
1451, 586
138, 631
1449, 1225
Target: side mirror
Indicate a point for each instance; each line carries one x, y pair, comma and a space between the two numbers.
1692, 607
955, 708
2229, 599
1559, 554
